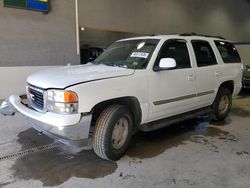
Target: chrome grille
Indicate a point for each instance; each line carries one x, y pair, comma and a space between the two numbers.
35, 97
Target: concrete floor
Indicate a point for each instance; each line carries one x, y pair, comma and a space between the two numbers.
194, 153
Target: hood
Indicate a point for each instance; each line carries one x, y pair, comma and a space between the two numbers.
63, 77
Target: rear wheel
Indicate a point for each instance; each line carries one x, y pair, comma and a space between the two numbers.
222, 104
112, 132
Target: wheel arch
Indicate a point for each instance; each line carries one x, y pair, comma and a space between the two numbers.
229, 85
132, 103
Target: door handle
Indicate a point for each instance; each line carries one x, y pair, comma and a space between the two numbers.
191, 78
218, 73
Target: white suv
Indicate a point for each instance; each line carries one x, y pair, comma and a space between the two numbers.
142, 83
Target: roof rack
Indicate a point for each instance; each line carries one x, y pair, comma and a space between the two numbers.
195, 34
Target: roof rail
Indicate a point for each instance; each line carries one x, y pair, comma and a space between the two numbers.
188, 34
195, 34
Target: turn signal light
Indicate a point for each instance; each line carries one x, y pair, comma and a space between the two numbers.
70, 97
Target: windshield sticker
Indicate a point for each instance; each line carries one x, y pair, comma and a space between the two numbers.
140, 55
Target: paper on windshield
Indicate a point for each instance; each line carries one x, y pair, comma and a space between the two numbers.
140, 55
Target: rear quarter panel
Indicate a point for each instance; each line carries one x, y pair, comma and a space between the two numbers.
230, 71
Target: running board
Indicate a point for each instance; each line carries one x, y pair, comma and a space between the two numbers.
174, 119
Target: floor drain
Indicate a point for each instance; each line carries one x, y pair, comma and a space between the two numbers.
28, 151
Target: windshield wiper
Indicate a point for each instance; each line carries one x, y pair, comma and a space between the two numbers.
94, 62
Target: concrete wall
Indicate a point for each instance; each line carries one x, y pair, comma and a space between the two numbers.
29, 38
228, 18
102, 38
13, 79
30, 41
244, 51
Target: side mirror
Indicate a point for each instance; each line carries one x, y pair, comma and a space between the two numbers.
167, 63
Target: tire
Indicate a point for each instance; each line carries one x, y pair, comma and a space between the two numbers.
222, 104
113, 132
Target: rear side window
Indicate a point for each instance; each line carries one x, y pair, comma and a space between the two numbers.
228, 52
204, 53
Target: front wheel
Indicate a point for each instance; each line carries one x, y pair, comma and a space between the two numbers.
222, 104
113, 132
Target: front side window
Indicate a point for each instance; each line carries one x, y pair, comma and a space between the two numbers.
132, 54
176, 49
228, 52
204, 53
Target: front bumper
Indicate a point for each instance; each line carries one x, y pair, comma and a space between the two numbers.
72, 127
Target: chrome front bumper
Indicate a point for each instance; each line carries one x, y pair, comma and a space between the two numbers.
72, 127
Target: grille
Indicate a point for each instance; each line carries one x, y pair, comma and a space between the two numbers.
36, 98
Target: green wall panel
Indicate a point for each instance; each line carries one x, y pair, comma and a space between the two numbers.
15, 3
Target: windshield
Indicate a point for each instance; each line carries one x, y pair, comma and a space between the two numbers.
133, 54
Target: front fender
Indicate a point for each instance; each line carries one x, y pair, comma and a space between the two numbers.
95, 92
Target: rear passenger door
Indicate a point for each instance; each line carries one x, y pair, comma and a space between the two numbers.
208, 72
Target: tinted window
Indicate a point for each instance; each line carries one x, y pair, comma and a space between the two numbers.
204, 53
228, 52
90, 54
176, 49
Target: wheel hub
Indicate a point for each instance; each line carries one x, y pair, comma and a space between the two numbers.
223, 104
120, 133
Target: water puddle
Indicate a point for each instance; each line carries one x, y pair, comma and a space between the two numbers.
148, 145
55, 166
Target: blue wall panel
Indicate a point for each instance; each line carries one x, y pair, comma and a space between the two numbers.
39, 5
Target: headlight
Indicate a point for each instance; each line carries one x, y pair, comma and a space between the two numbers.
61, 101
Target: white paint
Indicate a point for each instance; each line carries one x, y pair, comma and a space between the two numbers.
145, 85
141, 84
13, 79
167, 63
148, 86
48, 118
69, 75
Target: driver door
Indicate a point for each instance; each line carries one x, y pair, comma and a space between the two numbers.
173, 91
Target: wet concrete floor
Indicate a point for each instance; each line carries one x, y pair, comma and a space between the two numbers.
59, 166
55, 166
